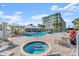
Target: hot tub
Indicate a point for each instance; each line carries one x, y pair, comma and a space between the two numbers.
36, 48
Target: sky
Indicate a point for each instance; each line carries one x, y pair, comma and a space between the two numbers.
32, 13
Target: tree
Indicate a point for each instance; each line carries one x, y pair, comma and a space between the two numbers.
42, 27
13, 29
76, 23
0, 27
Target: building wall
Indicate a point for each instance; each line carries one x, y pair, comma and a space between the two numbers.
51, 19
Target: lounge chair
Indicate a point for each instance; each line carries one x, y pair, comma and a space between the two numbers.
3, 47
7, 53
4, 43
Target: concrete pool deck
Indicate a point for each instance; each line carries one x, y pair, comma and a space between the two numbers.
50, 38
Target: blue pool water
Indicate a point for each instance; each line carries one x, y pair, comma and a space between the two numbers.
34, 34
36, 47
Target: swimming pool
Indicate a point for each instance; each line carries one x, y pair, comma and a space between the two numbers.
34, 34
36, 47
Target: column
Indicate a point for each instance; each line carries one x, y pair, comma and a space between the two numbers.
4, 29
77, 38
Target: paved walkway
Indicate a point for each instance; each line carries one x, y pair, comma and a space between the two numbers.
50, 38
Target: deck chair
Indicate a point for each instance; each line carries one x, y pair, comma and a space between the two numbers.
7, 53
3, 47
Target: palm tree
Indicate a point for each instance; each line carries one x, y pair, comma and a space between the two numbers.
0, 26
41, 26
13, 29
76, 23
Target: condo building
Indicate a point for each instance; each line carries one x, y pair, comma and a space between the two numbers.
54, 23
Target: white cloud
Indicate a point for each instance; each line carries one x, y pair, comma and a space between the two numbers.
69, 23
69, 7
17, 19
37, 17
28, 22
21, 23
3, 5
24, 23
1, 12
67, 20
67, 14
54, 8
10, 18
18, 12
74, 8
35, 20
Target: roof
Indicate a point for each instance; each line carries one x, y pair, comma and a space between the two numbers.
31, 26
51, 15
